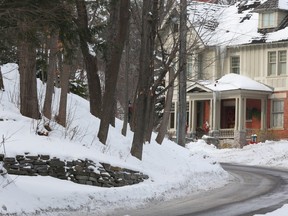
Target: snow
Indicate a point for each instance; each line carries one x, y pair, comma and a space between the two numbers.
283, 4
197, 164
233, 81
233, 28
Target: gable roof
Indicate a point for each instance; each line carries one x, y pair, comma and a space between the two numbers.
229, 82
229, 26
273, 5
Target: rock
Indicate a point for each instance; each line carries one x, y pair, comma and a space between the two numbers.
44, 157
9, 160
78, 171
55, 162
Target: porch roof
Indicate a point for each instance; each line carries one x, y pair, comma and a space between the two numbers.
229, 82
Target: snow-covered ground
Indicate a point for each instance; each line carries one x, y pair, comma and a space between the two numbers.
173, 171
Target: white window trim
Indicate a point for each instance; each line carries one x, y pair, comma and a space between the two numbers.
270, 24
231, 65
277, 62
279, 112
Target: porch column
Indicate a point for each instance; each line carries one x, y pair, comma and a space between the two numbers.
236, 126
216, 115
211, 113
263, 114
242, 114
240, 134
214, 112
193, 116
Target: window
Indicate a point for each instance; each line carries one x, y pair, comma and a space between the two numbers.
277, 113
277, 62
172, 116
189, 65
268, 20
175, 27
271, 63
282, 62
235, 64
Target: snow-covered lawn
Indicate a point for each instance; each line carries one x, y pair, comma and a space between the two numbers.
173, 171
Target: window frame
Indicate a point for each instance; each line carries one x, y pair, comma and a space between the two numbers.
234, 67
268, 20
172, 116
282, 62
277, 113
277, 64
189, 66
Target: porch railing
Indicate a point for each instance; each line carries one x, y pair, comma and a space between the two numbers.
229, 133
226, 133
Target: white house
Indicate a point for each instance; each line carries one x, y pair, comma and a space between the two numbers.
238, 78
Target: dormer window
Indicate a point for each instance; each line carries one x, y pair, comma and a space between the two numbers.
268, 20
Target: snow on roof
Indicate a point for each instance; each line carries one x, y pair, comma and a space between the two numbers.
273, 4
233, 81
283, 4
224, 25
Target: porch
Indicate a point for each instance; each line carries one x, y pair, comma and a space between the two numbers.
231, 111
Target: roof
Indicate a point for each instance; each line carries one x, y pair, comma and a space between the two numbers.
224, 25
273, 5
230, 82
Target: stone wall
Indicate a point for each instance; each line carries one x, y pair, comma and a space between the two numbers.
78, 171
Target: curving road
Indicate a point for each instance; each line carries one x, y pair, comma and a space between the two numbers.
256, 190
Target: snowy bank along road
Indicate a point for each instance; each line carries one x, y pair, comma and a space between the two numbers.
255, 190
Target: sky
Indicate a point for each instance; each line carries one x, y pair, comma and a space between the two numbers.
197, 163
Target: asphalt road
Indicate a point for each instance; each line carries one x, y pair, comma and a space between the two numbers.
256, 190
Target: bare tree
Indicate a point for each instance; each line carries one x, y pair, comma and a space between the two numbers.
119, 19
95, 95
168, 103
126, 90
181, 123
27, 67
64, 82
143, 101
50, 75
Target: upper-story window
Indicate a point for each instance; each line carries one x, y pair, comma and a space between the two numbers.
175, 27
189, 65
268, 20
235, 64
277, 62
282, 62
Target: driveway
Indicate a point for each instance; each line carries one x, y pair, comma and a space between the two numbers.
255, 190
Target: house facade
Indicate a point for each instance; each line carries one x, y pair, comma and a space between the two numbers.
238, 81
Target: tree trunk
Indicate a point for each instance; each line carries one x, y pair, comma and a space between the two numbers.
1, 81
28, 84
126, 104
94, 87
181, 123
64, 82
120, 18
148, 34
150, 114
168, 103
50, 76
